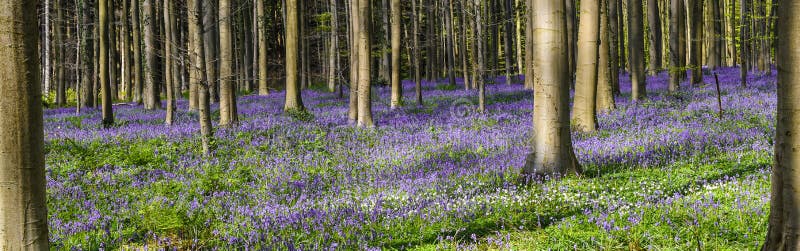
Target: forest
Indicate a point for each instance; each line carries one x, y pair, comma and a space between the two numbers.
399, 125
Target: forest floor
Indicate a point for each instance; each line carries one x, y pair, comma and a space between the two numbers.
662, 174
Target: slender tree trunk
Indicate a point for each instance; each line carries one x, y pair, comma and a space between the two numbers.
677, 70
623, 59
168, 49
480, 78
263, 83
449, 47
333, 52
551, 149
636, 50
126, 51
656, 48
717, 43
227, 95
417, 78
87, 91
744, 41
23, 201
529, 71
293, 100
138, 90
352, 112
60, 55
397, 86
364, 65
112, 51
784, 222
584, 114
211, 44
605, 92
696, 56
572, 37
464, 51
108, 113
519, 20
614, 36
198, 77
508, 52
151, 99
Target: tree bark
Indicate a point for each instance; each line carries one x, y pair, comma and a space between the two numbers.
352, 112
696, 56
449, 48
169, 19
744, 42
60, 55
125, 64
605, 92
23, 205
417, 75
227, 94
211, 47
397, 86
614, 35
529, 71
151, 97
333, 51
198, 77
508, 52
87, 90
138, 90
263, 81
551, 149
584, 114
480, 78
293, 99
108, 112
364, 65
636, 50
784, 222
656, 47
677, 70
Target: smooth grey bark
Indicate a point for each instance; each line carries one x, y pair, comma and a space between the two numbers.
105, 85
584, 113
198, 77
551, 149
656, 48
784, 220
261, 17
636, 50
23, 205
696, 54
677, 70
364, 65
293, 99
397, 87
227, 94
87, 90
151, 93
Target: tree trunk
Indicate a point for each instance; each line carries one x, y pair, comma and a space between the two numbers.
227, 94
263, 81
696, 56
480, 78
614, 36
46, 72
449, 47
656, 48
60, 55
551, 149
605, 92
677, 70
572, 34
87, 92
108, 113
333, 51
293, 99
397, 86
519, 19
23, 202
125, 64
138, 89
508, 52
211, 45
636, 50
151, 99
717, 34
529, 25
364, 65
584, 114
744, 42
169, 18
198, 72
112, 51
417, 75
463, 46
784, 222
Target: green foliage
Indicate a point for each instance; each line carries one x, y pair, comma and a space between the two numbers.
300, 115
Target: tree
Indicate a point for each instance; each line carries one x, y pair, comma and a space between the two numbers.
416, 19
169, 20
125, 44
605, 92
654, 22
23, 205
551, 149
105, 85
352, 111
584, 114
60, 57
151, 93
263, 84
783, 232
397, 87
87, 92
293, 99
480, 79
696, 54
198, 76
744, 41
138, 75
636, 50
227, 94
676, 70
364, 65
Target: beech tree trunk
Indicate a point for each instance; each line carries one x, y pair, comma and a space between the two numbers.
227, 94
23, 205
677, 70
551, 149
333, 51
784, 218
151, 97
198, 77
654, 21
87, 90
397, 87
169, 18
263, 64
696, 56
605, 92
364, 65
584, 114
636, 50
293, 100
105, 85
352, 112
